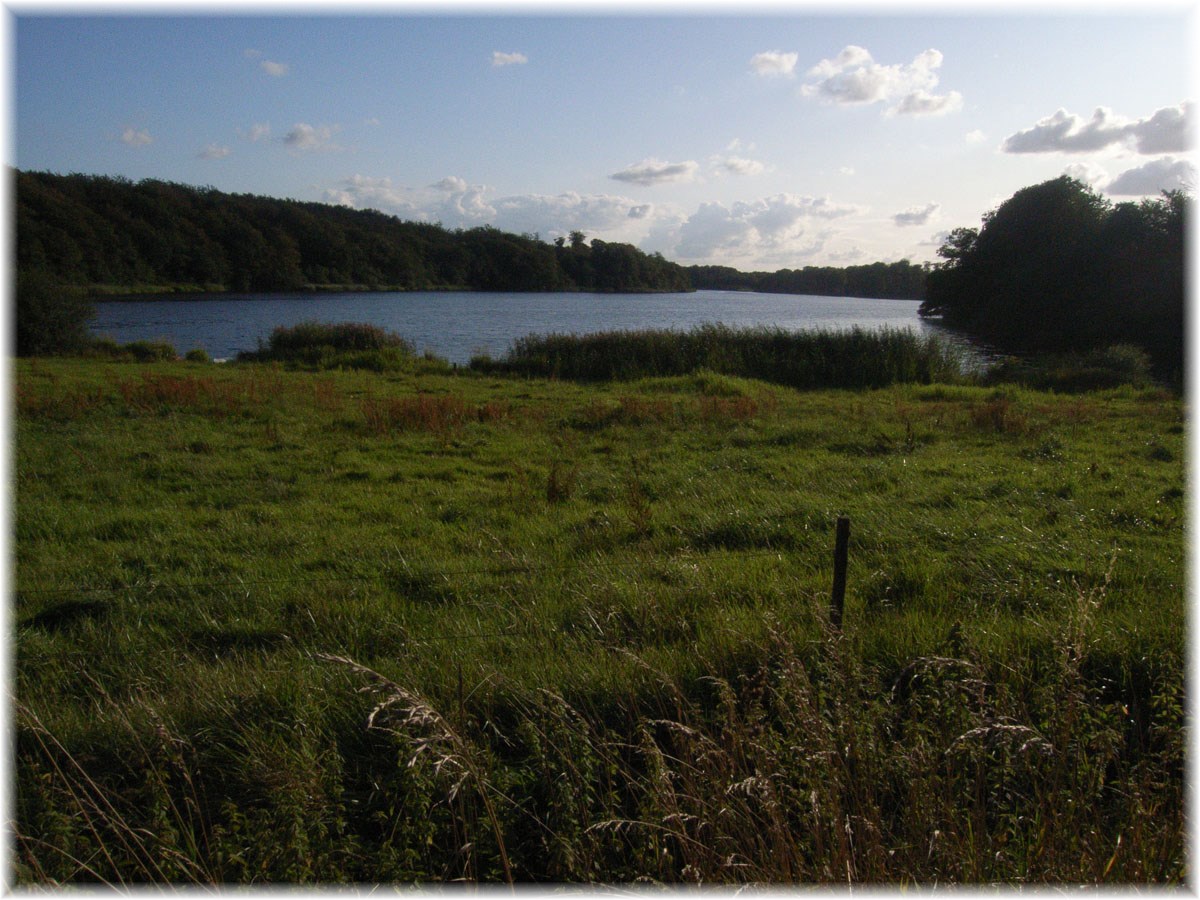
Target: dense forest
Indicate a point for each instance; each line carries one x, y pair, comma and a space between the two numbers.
899, 280
1056, 268
109, 234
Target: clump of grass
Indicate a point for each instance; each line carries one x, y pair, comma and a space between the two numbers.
439, 414
1074, 373
135, 351
345, 345
162, 392
810, 359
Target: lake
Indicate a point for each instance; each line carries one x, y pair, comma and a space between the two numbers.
459, 325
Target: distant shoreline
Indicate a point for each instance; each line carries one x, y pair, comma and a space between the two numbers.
111, 293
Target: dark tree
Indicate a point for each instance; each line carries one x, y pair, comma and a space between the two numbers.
1057, 268
51, 317
97, 232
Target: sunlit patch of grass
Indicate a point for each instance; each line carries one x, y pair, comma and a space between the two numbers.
615, 596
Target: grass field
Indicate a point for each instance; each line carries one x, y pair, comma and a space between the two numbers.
291, 626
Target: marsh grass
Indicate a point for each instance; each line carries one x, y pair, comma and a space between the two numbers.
577, 632
343, 345
853, 358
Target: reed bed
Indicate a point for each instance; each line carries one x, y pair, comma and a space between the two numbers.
852, 358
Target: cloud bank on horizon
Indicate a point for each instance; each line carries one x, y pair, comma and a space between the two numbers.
867, 152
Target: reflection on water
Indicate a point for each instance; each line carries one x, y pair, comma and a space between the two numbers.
459, 325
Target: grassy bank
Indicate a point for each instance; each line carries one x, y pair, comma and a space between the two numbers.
278, 625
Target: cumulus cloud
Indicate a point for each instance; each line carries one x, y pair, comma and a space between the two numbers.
739, 165
922, 103
566, 212
1087, 172
1157, 175
259, 131
1165, 131
363, 192
774, 62
752, 228
452, 184
214, 151
650, 172
133, 137
508, 59
274, 69
975, 137
917, 215
308, 137
456, 203
854, 78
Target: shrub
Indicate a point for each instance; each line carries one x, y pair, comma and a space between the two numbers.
197, 354
346, 345
151, 351
51, 317
1109, 367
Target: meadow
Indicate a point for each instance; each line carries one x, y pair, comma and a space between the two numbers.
317, 625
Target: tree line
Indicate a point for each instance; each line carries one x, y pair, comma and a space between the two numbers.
108, 233
1057, 268
901, 280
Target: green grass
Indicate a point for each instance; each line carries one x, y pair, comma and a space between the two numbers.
287, 626
854, 358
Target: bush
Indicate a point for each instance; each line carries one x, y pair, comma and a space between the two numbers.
1069, 373
347, 345
151, 351
197, 354
52, 317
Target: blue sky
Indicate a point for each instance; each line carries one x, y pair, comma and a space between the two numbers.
783, 138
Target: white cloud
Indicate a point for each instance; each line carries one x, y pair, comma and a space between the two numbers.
917, 215
308, 137
452, 184
1087, 172
214, 151
922, 103
650, 172
774, 62
751, 229
1157, 175
846, 170
739, 165
1165, 131
274, 69
854, 78
362, 192
975, 137
566, 212
508, 59
455, 203
133, 137
259, 131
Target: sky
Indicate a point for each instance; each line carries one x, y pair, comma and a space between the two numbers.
775, 137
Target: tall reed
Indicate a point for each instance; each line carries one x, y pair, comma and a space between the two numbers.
854, 358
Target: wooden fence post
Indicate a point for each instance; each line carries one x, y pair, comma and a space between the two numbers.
841, 552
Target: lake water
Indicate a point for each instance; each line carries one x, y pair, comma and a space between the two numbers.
459, 325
